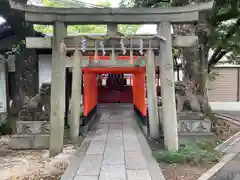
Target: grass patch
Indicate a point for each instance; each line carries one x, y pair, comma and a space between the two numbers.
190, 153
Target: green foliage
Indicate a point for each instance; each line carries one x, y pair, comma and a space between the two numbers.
84, 29
16, 48
190, 153
4, 125
224, 24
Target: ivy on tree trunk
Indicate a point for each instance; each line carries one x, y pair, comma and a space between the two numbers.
26, 64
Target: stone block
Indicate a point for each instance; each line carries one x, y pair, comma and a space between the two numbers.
29, 141
22, 141
195, 137
41, 141
33, 127
190, 125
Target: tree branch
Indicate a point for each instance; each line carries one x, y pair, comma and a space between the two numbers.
217, 58
219, 52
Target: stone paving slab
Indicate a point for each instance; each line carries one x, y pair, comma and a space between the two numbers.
115, 152
138, 175
135, 160
86, 178
90, 165
113, 157
116, 172
96, 147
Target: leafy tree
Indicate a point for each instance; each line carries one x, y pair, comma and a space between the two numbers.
218, 30
223, 23
83, 29
26, 75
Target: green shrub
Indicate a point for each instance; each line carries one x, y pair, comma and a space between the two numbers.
4, 125
189, 153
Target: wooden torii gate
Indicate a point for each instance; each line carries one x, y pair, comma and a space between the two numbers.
161, 43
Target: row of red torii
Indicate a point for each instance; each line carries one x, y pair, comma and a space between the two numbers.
156, 51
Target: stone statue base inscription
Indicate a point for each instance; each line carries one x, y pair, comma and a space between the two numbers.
192, 126
31, 135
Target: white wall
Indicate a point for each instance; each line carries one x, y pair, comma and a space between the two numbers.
3, 93
45, 68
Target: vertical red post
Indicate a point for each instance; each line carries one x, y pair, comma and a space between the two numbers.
86, 90
134, 89
142, 93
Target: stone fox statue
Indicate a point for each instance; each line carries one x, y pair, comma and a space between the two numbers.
185, 98
36, 104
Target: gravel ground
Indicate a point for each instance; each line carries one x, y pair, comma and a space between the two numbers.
32, 164
182, 171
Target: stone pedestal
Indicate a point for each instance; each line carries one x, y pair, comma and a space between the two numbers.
192, 126
31, 135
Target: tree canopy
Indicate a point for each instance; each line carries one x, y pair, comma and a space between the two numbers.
83, 29
224, 24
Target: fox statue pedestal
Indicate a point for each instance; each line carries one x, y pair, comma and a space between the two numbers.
31, 135
33, 126
192, 126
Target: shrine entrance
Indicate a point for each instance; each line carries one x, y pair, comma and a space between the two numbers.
114, 88
156, 50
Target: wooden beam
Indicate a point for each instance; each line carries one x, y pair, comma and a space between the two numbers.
47, 15
46, 43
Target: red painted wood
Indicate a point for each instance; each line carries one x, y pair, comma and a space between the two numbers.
110, 95
116, 70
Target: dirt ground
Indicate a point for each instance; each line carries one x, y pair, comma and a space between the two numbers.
32, 164
182, 171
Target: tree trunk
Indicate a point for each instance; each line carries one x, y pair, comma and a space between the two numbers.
26, 75
203, 33
195, 61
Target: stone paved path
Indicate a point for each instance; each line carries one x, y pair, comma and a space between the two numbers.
115, 152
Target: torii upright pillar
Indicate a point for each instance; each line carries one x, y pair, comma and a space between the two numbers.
168, 88
57, 91
152, 96
74, 120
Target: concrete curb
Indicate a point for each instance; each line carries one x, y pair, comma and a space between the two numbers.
153, 168
211, 172
77, 158
230, 141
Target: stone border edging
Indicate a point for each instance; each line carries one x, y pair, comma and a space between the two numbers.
212, 171
230, 141
77, 158
153, 168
